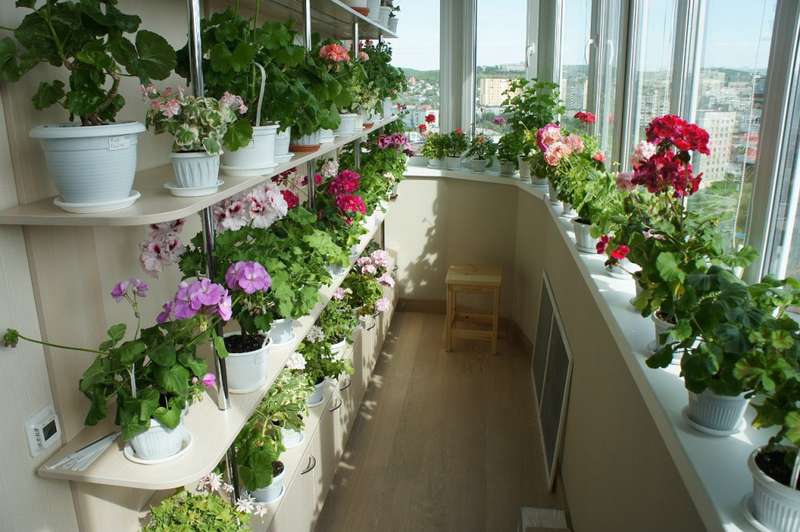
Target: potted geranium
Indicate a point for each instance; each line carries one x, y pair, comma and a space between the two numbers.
508, 148
92, 163
434, 149
321, 363
481, 151
337, 322
199, 126
258, 450
389, 80
455, 147
597, 201
286, 405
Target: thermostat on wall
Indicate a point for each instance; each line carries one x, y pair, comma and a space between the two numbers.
42, 431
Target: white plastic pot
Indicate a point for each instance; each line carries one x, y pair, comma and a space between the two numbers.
383, 16
316, 397
540, 182
721, 413
282, 140
358, 124
282, 331
258, 155
393, 24
661, 327
452, 163
388, 107
478, 165
90, 164
158, 442
435, 163
583, 237
374, 7
195, 169
271, 493
524, 169
568, 211
339, 348
291, 438
774, 505
347, 125
356, 3
552, 194
507, 168
326, 135
247, 372
417, 160
312, 139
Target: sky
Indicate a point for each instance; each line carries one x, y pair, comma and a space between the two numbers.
738, 33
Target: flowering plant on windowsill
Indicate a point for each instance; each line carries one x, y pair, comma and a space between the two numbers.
482, 148
456, 143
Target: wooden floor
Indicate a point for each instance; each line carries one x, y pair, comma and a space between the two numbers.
444, 441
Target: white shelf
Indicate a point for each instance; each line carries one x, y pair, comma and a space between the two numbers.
213, 431
157, 204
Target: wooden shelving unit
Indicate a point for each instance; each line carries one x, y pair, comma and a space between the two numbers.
157, 204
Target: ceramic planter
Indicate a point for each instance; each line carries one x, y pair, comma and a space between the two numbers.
347, 125
282, 141
273, 492
393, 24
339, 348
584, 241
552, 194
291, 438
91, 164
281, 332
158, 442
359, 123
507, 168
318, 395
366, 120
196, 170
435, 163
478, 165
306, 143
453, 163
775, 506
568, 211
247, 372
254, 159
720, 413
417, 160
524, 169
539, 182
383, 16
326, 136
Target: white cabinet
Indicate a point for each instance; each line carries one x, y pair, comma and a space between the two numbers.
297, 510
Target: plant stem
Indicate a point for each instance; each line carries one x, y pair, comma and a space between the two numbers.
59, 346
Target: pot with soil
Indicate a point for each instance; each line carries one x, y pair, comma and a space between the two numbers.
435, 163
478, 165
453, 163
159, 442
539, 182
568, 211
507, 168
663, 324
306, 143
289, 437
552, 195
338, 349
247, 361
282, 141
774, 503
274, 491
584, 240
348, 124
524, 169
318, 395
720, 413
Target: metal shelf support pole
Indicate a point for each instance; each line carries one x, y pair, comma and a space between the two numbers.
206, 215
356, 50
311, 166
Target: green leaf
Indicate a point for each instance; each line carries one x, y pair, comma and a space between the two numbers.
197, 366
168, 417
219, 347
681, 331
148, 403
124, 52
242, 57
238, 135
668, 267
94, 53
163, 354
220, 58
792, 422
48, 94
98, 409
26, 3
174, 379
781, 339
156, 56
131, 352
9, 68
11, 338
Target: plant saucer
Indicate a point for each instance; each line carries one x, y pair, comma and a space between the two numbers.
131, 455
235, 171
298, 444
712, 432
276, 499
192, 192
314, 405
284, 158
98, 206
747, 510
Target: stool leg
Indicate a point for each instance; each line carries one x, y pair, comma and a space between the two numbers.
495, 319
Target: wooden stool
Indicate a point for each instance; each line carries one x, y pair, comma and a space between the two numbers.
472, 279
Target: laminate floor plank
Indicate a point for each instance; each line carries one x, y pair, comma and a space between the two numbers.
443, 441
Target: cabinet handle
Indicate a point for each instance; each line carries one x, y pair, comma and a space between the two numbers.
374, 324
338, 406
312, 463
346, 386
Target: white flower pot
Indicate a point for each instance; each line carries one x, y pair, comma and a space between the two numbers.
358, 123
347, 125
366, 119
388, 107
282, 141
435, 163
291, 438
316, 397
374, 7
478, 165
568, 211
247, 372
524, 169
311, 139
453, 163
583, 237
282, 331
661, 327
383, 16
326, 136
195, 169
552, 194
540, 182
338, 349
721, 413
271, 493
158, 442
356, 3
774, 505
90, 164
507, 168
258, 155
393, 24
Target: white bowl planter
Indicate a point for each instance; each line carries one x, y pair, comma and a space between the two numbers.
453, 163
308, 142
478, 165
507, 168
388, 107
291, 438
583, 237
282, 141
247, 372
720, 413
158, 442
383, 16
393, 24
254, 159
417, 160
775, 506
318, 395
347, 125
524, 169
91, 164
281, 332
196, 170
273, 492
326, 136
435, 163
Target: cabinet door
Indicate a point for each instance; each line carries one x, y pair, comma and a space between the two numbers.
297, 510
329, 459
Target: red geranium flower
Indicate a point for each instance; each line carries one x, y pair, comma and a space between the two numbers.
430, 118
620, 252
602, 244
291, 198
458, 131
422, 128
586, 117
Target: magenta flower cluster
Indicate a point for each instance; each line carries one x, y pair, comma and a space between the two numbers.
248, 276
346, 182
376, 265
398, 141
197, 297
133, 287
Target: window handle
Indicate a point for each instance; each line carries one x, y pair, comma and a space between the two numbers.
587, 49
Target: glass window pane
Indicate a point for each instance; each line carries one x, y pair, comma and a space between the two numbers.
606, 116
576, 27
728, 104
500, 58
653, 72
417, 53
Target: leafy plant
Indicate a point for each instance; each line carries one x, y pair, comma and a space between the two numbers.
258, 448
87, 39
285, 403
482, 148
338, 321
456, 143
322, 362
531, 104
201, 512
364, 292
435, 146
509, 147
389, 80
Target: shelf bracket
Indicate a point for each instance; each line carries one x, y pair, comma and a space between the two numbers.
311, 183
